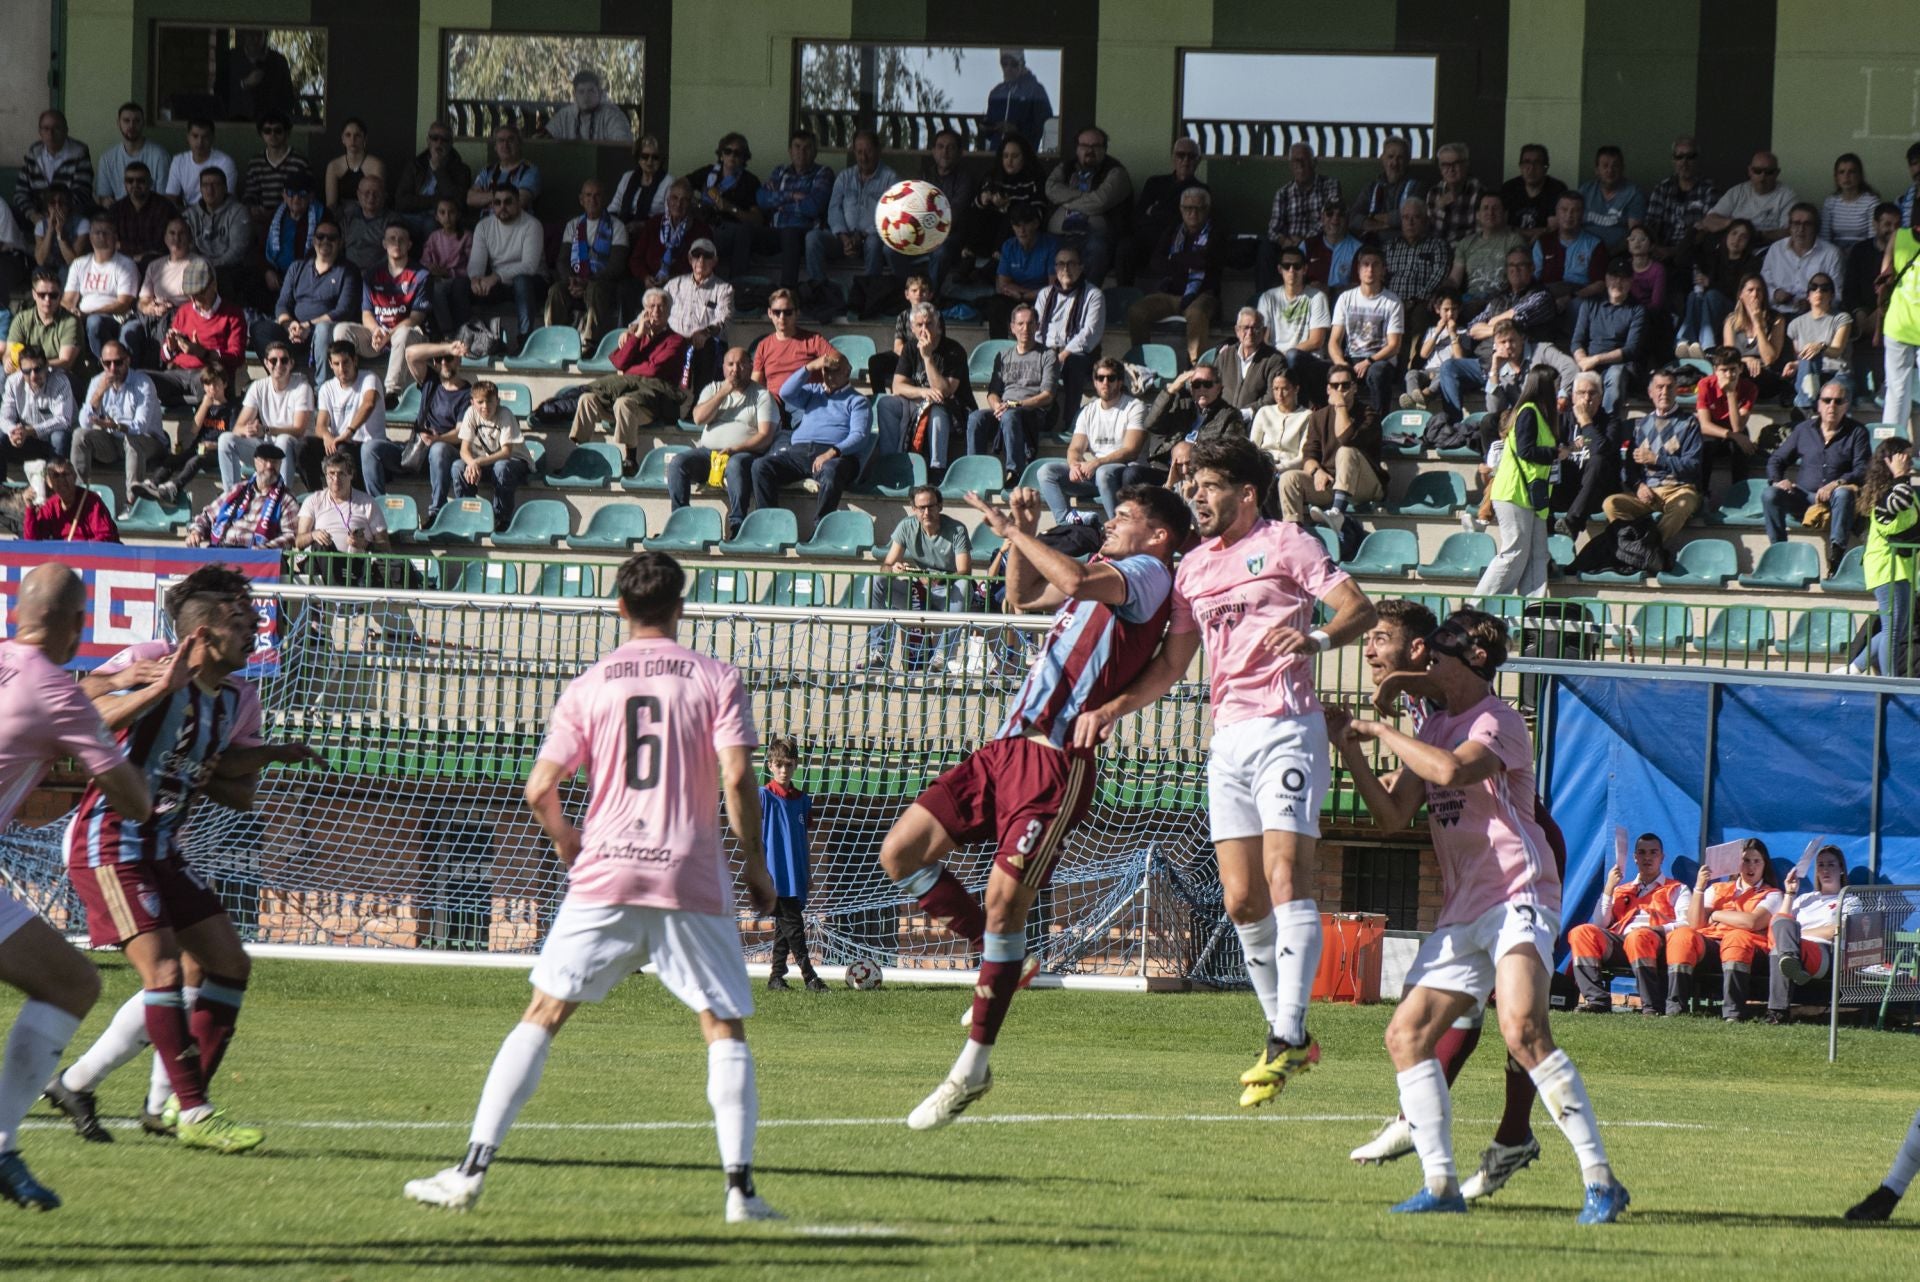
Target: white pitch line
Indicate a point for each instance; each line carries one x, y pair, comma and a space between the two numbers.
778, 1123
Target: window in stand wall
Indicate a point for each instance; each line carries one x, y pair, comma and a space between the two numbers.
908, 93
1344, 106
571, 88
239, 73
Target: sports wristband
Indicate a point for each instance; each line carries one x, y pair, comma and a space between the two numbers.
1321, 641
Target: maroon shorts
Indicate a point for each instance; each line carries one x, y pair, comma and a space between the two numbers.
125, 900
1025, 795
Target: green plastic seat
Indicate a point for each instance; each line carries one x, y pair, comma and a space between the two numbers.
537, 523
569, 580
548, 350
613, 527
154, 519
601, 362
486, 578
461, 521
652, 476
1703, 563
1402, 431
1741, 506
980, 360
591, 466
798, 589
1851, 575
1329, 540
1787, 567
689, 529
408, 410
1432, 494
1820, 634
402, 514
719, 587
983, 544
1659, 627
1158, 357
769, 531
1030, 477
1744, 630
517, 397
1385, 554
892, 476
1463, 556
975, 473
1209, 357
843, 535
857, 348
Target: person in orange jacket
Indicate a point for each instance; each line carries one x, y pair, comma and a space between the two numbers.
1727, 920
1631, 922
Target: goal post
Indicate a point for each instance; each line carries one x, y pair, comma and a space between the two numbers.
1876, 960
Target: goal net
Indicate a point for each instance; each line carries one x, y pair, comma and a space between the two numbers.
431, 708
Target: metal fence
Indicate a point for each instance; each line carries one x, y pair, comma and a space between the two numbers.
1876, 963
1330, 140
473, 118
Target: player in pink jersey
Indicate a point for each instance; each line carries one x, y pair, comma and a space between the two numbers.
1029, 786
1472, 766
1249, 590
44, 717
660, 730
200, 737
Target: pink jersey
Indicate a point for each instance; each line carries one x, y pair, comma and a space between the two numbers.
44, 717
1492, 851
647, 721
1233, 595
176, 743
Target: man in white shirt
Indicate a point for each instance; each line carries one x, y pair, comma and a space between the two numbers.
1762, 200
280, 406
109, 172
1369, 331
121, 416
849, 232
738, 418
1792, 262
36, 412
183, 175
352, 411
492, 445
340, 518
102, 287
588, 269
699, 306
1298, 321
504, 264
1109, 436
1070, 317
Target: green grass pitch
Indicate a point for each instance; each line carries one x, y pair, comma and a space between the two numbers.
1120, 1152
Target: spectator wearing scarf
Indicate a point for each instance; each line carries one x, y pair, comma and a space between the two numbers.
590, 266
253, 514
1187, 262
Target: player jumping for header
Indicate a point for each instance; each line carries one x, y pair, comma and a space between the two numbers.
44, 717
1029, 786
1249, 589
660, 729
1472, 765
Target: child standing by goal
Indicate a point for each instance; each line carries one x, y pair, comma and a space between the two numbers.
786, 814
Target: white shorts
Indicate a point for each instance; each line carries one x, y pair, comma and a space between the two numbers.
592, 947
1461, 958
1267, 774
13, 915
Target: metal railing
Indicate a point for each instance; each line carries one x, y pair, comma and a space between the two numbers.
474, 118
1349, 140
898, 130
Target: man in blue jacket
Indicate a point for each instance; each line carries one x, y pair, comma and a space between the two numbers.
1823, 460
828, 442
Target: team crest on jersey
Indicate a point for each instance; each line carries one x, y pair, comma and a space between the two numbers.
1255, 564
151, 902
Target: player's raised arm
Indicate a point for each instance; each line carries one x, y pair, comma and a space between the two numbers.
1169, 663
543, 798
1059, 576
742, 791
120, 705
1392, 801
1470, 763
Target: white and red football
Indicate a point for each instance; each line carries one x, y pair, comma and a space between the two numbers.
913, 217
863, 975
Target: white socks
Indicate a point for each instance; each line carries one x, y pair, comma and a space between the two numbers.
1565, 1096
1906, 1164
1428, 1108
40, 1035
1296, 961
1256, 941
735, 1100
125, 1035
971, 1067
510, 1083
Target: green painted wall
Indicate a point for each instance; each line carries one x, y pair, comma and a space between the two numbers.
1636, 86
437, 17
1846, 86
1137, 60
1546, 54
738, 74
